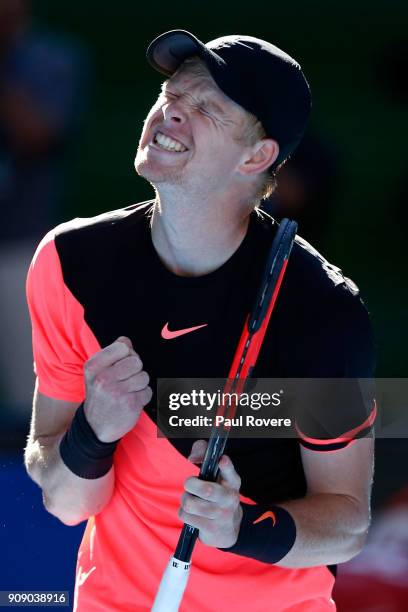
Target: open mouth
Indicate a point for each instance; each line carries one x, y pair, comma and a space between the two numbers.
168, 144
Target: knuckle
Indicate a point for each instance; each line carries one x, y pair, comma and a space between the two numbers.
120, 341
126, 367
143, 397
188, 482
208, 490
200, 445
225, 501
111, 348
115, 393
144, 378
119, 348
99, 380
193, 505
136, 361
90, 367
123, 339
131, 363
218, 512
147, 394
118, 370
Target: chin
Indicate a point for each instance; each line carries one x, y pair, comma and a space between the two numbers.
154, 173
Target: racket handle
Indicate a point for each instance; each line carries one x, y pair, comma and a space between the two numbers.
172, 586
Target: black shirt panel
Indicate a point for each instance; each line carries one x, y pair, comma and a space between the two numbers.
111, 267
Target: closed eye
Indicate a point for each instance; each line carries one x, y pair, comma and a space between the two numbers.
168, 96
204, 110
212, 111
194, 105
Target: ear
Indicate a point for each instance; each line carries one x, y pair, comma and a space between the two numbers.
261, 156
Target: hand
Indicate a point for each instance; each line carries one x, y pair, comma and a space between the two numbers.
213, 507
116, 390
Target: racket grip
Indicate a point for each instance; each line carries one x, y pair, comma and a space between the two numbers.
172, 586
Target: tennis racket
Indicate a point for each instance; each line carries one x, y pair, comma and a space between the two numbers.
175, 577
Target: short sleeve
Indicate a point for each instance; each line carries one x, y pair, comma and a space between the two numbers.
62, 342
337, 404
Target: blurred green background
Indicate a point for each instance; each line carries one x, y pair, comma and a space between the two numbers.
341, 47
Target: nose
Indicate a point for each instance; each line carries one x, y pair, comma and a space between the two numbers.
173, 112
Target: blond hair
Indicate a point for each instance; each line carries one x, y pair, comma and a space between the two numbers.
250, 131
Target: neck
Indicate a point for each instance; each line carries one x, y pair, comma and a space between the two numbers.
194, 236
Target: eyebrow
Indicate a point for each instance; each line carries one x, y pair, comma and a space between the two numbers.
209, 103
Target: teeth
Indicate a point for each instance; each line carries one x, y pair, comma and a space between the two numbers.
168, 143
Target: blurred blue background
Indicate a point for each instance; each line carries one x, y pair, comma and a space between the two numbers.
38, 552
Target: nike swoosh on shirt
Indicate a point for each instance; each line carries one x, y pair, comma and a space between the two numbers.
167, 334
266, 515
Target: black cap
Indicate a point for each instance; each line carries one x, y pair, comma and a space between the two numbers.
255, 74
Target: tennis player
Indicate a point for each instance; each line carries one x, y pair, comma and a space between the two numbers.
162, 289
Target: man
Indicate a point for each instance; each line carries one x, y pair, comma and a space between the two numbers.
165, 289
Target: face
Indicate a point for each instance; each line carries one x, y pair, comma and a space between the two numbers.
189, 136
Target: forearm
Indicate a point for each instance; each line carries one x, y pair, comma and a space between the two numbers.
68, 497
330, 528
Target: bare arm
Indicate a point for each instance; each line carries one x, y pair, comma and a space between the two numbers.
68, 497
116, 392
333, 519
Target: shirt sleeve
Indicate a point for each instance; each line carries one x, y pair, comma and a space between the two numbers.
62, 341
336, 404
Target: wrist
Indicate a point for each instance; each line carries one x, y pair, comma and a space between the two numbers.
83, 452
89, 417
266, 533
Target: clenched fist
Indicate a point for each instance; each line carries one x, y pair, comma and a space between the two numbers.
116, 390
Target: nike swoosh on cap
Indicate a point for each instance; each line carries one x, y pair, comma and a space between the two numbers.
167, 334
265, 515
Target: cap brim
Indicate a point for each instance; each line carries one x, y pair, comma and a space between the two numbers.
169, 50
